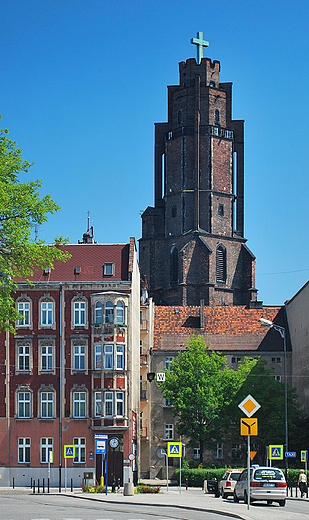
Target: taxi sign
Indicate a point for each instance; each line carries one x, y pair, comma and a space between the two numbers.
304, 456
248, 426
275, 452
69, 451
174, 449
249, 406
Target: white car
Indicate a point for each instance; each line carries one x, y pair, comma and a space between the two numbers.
266, 483
227, 484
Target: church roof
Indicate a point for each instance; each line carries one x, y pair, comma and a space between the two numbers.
226, 328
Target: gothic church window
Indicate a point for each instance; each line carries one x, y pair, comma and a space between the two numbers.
174, 265
221, 264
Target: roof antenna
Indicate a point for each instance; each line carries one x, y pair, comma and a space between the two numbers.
88, 236
88, 228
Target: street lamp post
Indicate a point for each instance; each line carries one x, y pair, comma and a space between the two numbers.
281, 330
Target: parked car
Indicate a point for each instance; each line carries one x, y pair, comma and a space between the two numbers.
227, 484
266, 483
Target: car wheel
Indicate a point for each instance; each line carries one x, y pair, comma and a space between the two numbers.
236, 499
282, 503
224, 495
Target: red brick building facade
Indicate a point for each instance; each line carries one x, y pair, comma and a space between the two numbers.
193, 244
69, 372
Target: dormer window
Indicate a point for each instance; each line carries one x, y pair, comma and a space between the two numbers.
108, 269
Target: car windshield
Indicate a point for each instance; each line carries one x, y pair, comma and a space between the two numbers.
268, 474
235, 476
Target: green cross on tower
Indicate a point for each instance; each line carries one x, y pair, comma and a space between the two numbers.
200, 44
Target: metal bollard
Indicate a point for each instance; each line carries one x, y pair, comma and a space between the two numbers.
38, 485
13, 483
71, 485
48, 485
31, 483
43, 486
34, 487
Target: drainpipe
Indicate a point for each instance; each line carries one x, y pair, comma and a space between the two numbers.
61, 296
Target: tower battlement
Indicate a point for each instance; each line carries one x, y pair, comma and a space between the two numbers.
207, 70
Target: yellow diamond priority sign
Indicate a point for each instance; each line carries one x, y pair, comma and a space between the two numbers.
249, 406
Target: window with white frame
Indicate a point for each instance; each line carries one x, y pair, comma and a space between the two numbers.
79, 405
23, 404
218, 454
109, 312
97, 404
79, 354
23, 308
119, 404
24, 357
108, 357
98, 312
46, 357
168, 432
24, 450
80, 449
119, 357
120, 312
46, 447
47, 404
79, 313
47, 314
168, 363
108, 269
97, 357
196, 453
108, 404
168, 401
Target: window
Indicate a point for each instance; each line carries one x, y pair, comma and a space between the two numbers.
47, 314
108, 269
24, 450
278, 359
79, 357
218, 454
24, 358
80, 449
80, 313
108, 404
273, 360
168, 401
221, 264
97, 357
24, 310
278, 378
196, 453
108, 357
119, 404
79, 405
217, 116
168, 432
174, 265
46, 447
233, 360
120, 312
24, 405
212, 84
221, 210
168, 363
109, 312
98, 312
47, 405
47, 357
119, 357
97, 404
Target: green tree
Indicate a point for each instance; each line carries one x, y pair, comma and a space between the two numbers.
201, 385
21, 208
269, 393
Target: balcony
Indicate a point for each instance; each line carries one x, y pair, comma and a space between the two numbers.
144, 325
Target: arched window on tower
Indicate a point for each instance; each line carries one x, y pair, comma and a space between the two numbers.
174, 265
221, 264
217, 116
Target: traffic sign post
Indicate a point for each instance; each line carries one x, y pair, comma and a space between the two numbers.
275, 452
69, 453
174, 449
249, 427
304, 458
102, 437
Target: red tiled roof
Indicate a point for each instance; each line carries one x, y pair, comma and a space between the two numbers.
226, 328
90, 258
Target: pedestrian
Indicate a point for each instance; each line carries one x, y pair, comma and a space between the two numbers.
302, 483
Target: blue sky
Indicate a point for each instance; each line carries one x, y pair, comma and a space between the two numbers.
83, 82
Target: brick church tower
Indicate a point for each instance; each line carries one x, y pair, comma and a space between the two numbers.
193, 244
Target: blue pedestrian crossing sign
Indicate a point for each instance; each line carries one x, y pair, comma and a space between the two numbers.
69, 451
276, 452
174, 449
